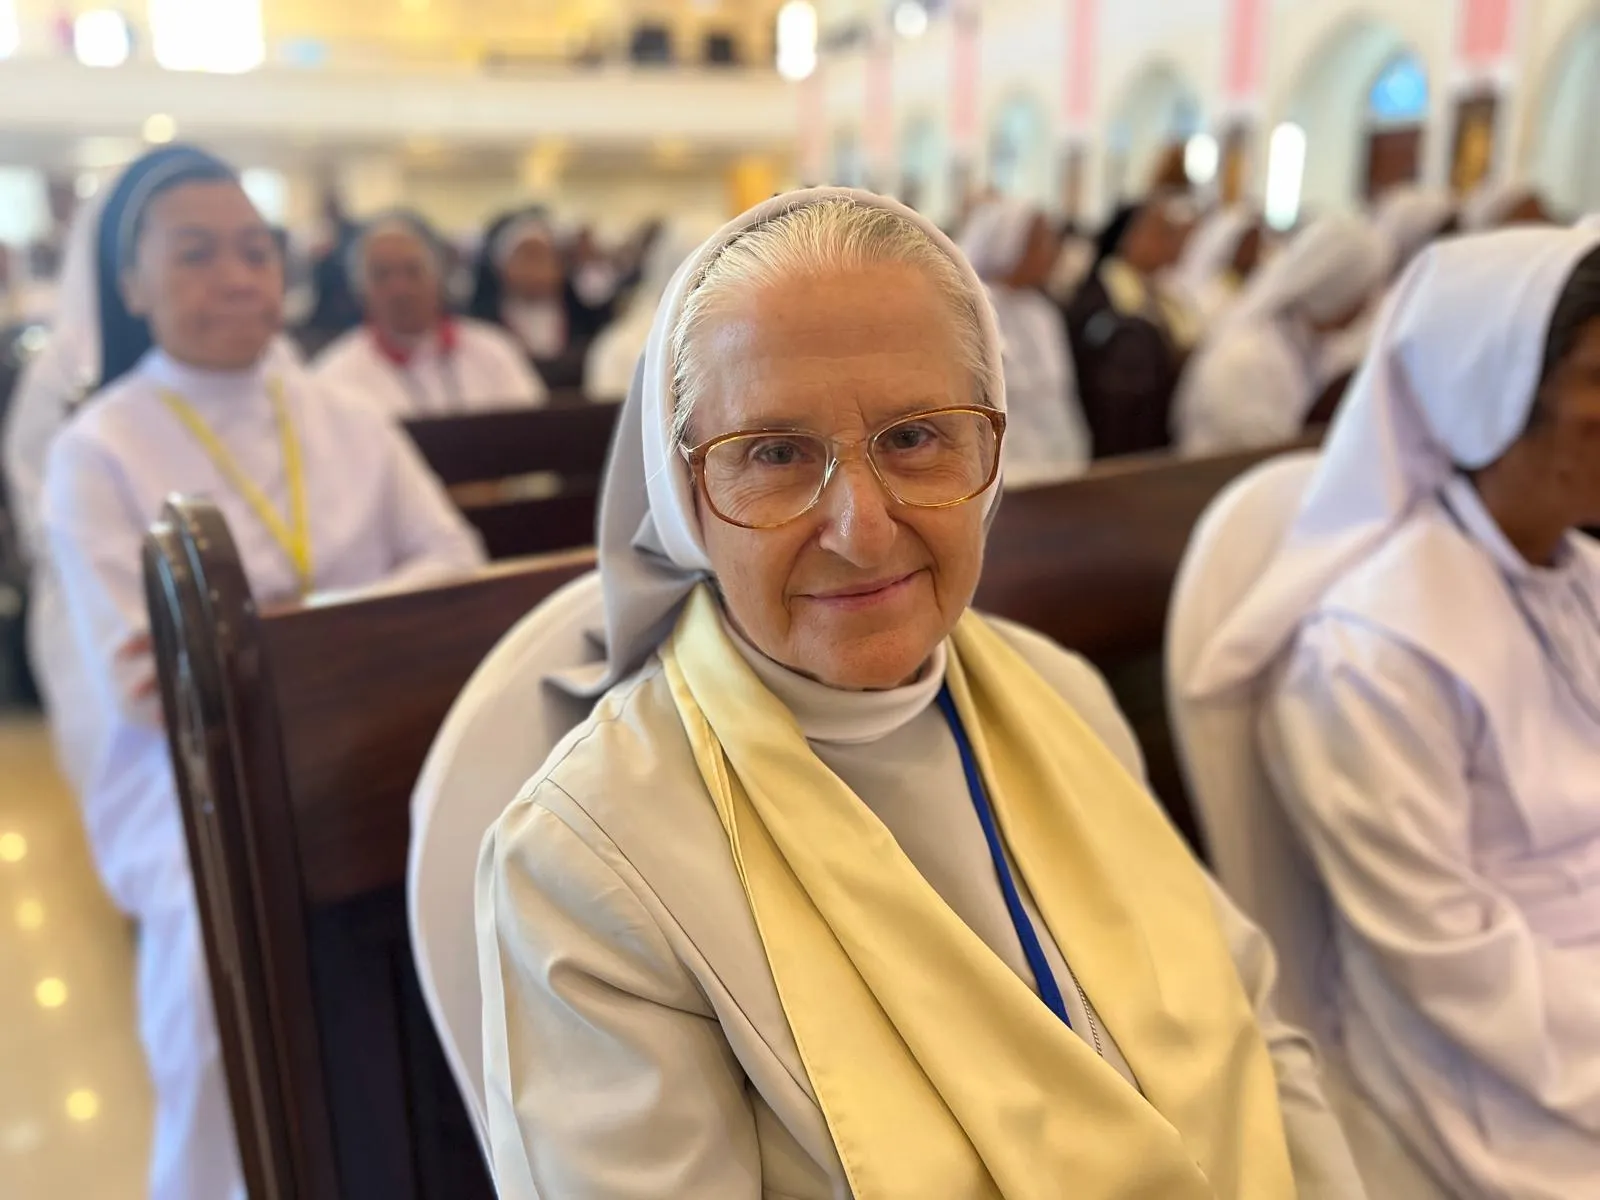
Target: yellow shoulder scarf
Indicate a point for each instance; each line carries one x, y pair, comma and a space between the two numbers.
939, 1071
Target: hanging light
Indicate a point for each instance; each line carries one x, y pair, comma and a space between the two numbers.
797, 40
1286, 169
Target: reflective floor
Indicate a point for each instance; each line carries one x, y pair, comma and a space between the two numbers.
74, 1101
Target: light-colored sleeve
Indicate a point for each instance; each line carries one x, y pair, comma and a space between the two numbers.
1239, 393
431, 539
1319, 1153
1371, 747
607, 1074
94, 534
39, 410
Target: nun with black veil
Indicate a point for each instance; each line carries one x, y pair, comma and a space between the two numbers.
320, 492
525, 286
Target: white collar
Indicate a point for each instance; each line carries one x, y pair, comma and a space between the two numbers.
203, 387
829, 714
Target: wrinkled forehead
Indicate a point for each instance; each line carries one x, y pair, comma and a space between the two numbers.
837, 353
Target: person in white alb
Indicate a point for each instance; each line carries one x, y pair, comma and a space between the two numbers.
1255, 378
1426, 644
1013, 250
412, 358
320, 492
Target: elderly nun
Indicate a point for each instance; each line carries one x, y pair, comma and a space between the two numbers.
412, 358
525, 286
616, 352
319, 492
1257, 377
842, 889
1012, 248
1427, 645
1219, 259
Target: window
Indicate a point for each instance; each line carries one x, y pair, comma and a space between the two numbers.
1400, 93
207, 35
100, 38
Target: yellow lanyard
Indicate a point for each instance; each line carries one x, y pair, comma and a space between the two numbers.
294, 537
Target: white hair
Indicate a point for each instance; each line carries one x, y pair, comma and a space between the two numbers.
810, 240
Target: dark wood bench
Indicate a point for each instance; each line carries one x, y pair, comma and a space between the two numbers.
299, 735
529, 478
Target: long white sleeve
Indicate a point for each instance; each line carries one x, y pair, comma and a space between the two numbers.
1373, 751
607, 1074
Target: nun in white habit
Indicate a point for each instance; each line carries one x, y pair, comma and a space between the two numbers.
615, 353
1218, 261
1256, 377
1426, 643
842, 890
320, 493
1011, 247
55, 384
412, 358
1408, 218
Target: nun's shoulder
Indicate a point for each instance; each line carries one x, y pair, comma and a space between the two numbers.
346, 351
109, 416
1080, 685
488, 338
624, 780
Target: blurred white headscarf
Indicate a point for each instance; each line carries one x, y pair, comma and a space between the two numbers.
1448, 386
651, 554
1330, 267
1213, 246
996, 235
1491, 203
1409, 217
616, 351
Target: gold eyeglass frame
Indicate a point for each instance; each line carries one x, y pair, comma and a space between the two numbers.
696, 457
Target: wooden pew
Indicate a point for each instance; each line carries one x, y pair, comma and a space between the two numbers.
299, 735
528, 479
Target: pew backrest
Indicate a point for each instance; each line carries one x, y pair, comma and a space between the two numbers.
528, 479
296, 738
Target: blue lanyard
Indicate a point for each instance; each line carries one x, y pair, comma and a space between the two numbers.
1044, 978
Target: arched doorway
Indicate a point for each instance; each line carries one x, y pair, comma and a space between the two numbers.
1019, 152
1362, 103
1566, 159
922, 169
1156, 116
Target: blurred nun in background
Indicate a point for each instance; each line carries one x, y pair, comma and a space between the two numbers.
1219, 259
616, 351
1012, 248
1255, 380
193, 396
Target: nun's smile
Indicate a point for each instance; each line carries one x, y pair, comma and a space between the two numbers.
857, 591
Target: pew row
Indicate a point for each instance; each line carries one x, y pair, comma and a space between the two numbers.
528, 479
298, 736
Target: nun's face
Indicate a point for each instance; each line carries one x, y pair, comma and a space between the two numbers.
1568, 431
858, 591
207, 276
533, 271
404, 296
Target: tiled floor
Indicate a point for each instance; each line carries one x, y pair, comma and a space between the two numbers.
74, 1101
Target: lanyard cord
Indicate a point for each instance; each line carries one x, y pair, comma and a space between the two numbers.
1032, 949
293, 537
